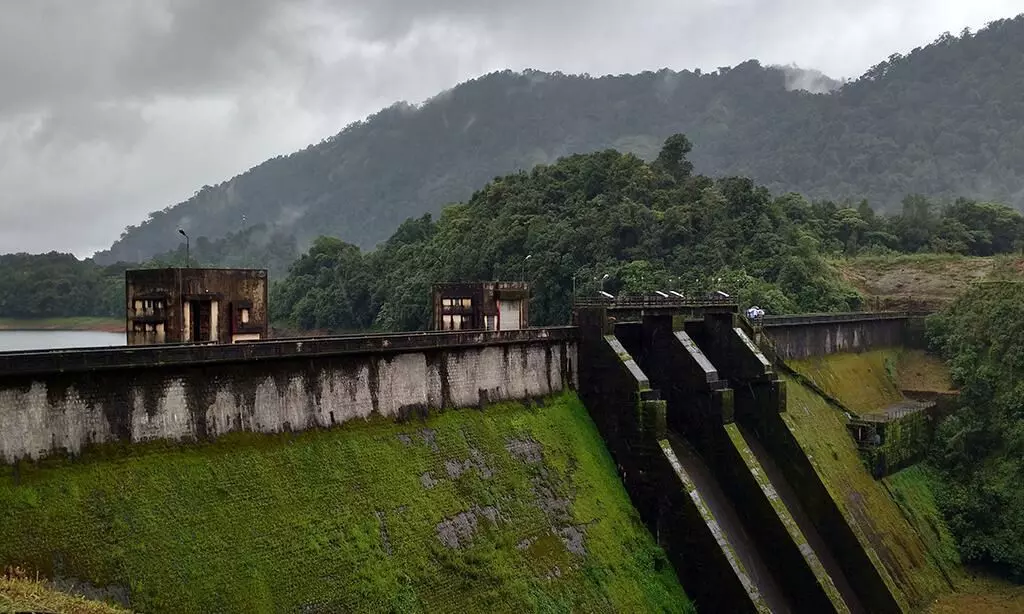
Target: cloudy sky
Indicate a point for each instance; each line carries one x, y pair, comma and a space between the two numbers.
110, 109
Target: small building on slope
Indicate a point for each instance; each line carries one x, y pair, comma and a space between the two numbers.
487, 305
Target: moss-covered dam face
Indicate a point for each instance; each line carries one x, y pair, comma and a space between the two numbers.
514, 508
608, 467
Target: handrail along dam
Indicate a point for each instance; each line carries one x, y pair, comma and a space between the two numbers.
688, 400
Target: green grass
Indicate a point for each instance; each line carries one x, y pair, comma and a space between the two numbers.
914, 490
298, 522
76, 323
864, 383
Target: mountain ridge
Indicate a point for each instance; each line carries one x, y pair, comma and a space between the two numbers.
941, 121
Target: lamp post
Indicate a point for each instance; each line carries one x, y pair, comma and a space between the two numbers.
182, 233
602, 281
525, 260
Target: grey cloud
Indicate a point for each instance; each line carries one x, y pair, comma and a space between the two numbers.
53, 50
110, 109
116, 124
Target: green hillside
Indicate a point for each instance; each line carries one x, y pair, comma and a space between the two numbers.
978, 449
510, 509
944, 121
609, 220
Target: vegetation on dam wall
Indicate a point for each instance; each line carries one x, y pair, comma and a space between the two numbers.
967, 501
514, 508
893, 544
914, 489
869, 382
863, 383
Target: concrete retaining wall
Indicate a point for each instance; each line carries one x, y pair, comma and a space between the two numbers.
819, 335
905, 441
54, 402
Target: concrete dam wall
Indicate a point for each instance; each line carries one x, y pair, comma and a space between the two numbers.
516, 508
750, 489
804, 336
698, 422
62, 402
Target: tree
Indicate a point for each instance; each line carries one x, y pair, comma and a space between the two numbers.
979, 448
584, 217
672, 158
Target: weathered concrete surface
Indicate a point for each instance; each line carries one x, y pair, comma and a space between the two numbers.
757, 523
760, 405
631, 420
723, 519
819, 335
140, 395
161, 304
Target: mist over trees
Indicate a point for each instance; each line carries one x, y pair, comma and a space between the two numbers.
944, 121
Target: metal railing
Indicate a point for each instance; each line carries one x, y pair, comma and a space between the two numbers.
641, 302
831, 318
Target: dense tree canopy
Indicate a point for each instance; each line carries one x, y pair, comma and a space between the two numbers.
944, 121
58, 285
646, 226
980, 448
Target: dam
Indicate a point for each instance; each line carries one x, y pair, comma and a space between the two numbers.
463, 470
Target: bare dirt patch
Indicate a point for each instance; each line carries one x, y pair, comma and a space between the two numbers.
981, 595
914, 282
918, 370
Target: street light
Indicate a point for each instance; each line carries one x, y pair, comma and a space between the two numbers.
528, 256
602, 281
182, 233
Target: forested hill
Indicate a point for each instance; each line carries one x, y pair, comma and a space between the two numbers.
946, 120
610, 220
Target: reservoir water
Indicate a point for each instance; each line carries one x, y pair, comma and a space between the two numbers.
11, 340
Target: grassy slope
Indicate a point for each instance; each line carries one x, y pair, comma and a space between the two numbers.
923, 561
918, 370
983, 595
344, 520
914, 489
21, 595
916, 566
863, 383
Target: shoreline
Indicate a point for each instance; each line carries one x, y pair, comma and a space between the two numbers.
94, 324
